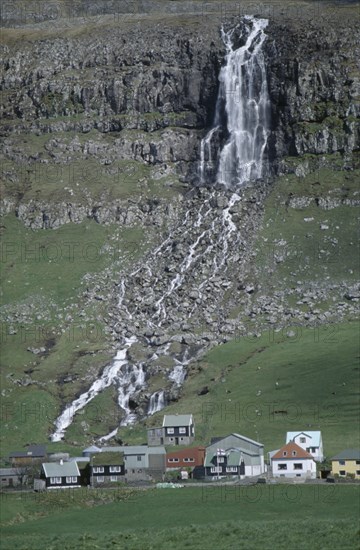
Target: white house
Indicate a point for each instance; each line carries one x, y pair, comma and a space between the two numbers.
292, 461
309, 441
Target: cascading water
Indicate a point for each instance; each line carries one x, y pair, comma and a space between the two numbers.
208, 241
243, 93
157, 402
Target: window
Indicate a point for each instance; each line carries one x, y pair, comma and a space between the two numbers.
302, 439
182, 430
139, 457
189, 459
98, 469
294, 453
216, 470
55, 480
173, 460
114, 469
313, 449
298, 475
113, 478
220, 459
170, 430
231, 469
358, 462
342, 462
282, 466
298, 466
358, 472
72, 479
284, 453
342, 473
100, 479
171, 439
181, 439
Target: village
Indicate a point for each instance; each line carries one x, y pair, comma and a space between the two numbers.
232, 458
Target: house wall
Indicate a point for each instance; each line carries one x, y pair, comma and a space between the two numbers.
317, 453
11, 480
308, 468
253, 454
132, 461
350, 467
155, 436
63, 483
157, 462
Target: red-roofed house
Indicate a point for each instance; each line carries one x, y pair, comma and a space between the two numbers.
183, 458
293, 461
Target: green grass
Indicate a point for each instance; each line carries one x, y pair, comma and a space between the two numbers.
310, 366
44, 276
206, 517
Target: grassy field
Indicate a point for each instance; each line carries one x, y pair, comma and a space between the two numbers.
285, 517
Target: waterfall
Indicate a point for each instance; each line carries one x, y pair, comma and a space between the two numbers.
157, 402
243, 95
112, 374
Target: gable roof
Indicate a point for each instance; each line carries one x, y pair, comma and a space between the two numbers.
289, 448
238, 436
92, 449
348, 454
9, 472
33, 451
173, 420
315, 437
55, 469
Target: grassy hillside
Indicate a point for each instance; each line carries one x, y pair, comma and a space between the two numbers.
317, 371
205, 517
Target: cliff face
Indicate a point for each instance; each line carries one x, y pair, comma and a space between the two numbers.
314, 80
145, 91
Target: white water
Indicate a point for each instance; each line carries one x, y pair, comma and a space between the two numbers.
157, 402
178, 374
244, 91
111, 374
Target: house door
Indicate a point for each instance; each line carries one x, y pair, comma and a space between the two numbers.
176, 441
11, 482
161, 441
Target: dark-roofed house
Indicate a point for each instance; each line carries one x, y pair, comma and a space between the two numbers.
34, 453
61, 475
347, 462
234, 455
106, 468
177, 429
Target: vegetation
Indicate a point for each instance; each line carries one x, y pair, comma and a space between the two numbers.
322, 517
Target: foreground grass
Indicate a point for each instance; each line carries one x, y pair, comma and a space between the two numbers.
294, 517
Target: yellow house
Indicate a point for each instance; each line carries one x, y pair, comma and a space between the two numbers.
347, 462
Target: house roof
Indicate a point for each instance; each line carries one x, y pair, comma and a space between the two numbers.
8, 472
238, 436
234, 457
173, 420
81, 459
108, 459
289, 448
135, 449
315, 437
33, 451
92, 449
55, 469
348, 454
